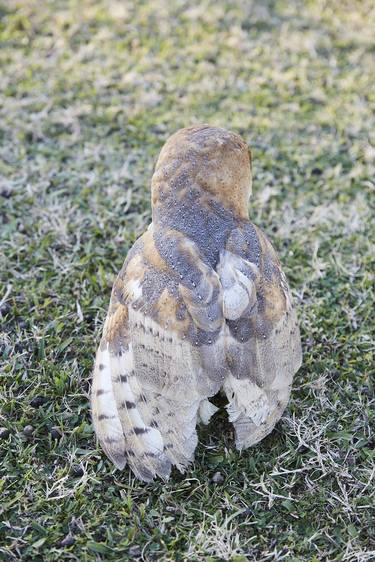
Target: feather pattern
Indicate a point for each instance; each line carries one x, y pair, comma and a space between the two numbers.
104, 410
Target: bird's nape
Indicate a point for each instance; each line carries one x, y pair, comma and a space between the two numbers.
210, 160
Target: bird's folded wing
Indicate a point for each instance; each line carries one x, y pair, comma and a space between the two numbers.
262, 340
149, 383
199, 285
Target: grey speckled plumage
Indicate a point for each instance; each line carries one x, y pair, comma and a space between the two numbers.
201, 304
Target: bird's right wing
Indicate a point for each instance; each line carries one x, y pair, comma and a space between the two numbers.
262, 341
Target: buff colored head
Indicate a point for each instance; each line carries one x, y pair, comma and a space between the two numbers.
211, 160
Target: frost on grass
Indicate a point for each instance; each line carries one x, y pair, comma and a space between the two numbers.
216, 537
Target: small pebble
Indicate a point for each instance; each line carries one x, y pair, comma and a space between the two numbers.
68, 541
5, 192
4, 432
37, 401
55, 433
5, 309
28, 430
77, 470
217, 478
316, 171
246, 512
366, 390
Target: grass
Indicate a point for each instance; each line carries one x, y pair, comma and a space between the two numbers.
89, 92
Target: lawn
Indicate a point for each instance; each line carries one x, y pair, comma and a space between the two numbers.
89, 92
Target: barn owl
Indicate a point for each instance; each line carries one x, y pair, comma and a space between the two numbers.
200, 305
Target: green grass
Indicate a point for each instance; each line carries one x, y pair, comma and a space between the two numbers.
89, 92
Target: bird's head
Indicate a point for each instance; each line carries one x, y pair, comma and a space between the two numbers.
205, 162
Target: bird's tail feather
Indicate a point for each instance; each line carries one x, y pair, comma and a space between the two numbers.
104, 411
139, 444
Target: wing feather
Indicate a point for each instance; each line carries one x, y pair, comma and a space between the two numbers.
104, 410
261, 339
154, 378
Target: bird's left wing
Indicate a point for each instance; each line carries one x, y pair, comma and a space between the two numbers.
150, 383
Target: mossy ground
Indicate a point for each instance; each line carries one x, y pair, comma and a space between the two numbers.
89, 92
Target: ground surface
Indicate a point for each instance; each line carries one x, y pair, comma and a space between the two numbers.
89, 92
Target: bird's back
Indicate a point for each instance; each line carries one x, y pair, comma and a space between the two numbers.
177, 341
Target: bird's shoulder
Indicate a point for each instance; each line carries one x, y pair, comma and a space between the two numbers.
150, 283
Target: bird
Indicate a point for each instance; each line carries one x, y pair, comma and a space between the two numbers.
200, 306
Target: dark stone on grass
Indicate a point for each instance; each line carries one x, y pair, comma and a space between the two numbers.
77, 470
68, 541
367, 391
55, 433
4, 433
37, 401
316, 171
247, 512
5, 192
28, 430
5, 309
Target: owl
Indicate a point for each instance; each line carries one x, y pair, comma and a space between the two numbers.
201, 305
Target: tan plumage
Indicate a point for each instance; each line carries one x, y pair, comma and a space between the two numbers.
201, 304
